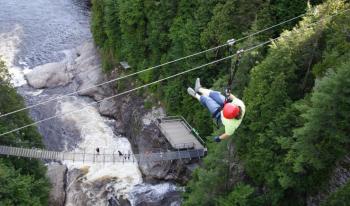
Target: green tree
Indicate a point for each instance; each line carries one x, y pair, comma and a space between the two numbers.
21, 189
324, 137
133, 32
98, 22
340, 197
240, 196
22, 182
208, 182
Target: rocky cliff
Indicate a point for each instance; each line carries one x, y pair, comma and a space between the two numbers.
338, 178
82, 69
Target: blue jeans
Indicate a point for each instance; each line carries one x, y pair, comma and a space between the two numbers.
214, 102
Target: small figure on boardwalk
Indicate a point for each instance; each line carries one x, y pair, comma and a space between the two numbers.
120, 153
98, 150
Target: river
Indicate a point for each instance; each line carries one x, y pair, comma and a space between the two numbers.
38, 32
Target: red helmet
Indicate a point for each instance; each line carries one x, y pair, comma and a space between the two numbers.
230, 111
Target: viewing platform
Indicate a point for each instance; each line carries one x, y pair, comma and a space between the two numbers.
180, 134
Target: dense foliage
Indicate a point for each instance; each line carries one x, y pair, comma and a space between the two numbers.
340, 197
296, 91
22, 181
148, 32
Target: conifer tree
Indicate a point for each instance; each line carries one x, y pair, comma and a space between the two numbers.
324, 138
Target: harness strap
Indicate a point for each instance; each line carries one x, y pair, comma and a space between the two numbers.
232, 72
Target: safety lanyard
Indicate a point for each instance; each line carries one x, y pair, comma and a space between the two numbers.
233, 68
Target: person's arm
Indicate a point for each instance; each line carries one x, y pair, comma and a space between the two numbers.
221, 137
232, 97
224, 136
229, 130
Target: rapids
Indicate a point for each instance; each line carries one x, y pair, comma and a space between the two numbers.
38, 32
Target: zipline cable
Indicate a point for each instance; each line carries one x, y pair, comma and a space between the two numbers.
137, 88
146, 85
148, 69
271, 27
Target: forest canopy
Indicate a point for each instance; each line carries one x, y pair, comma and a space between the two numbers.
296, 90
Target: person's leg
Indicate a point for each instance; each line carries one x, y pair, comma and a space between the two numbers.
204, 91
197, 85
204, 100
217, 97
209, 103
191, 92
199, 89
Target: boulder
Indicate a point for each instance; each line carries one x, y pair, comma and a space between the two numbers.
89, 73
49, 75
57, 175
108, 108
154, 195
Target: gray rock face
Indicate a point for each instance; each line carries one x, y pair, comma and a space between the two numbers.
89, 73
49, 75
108, 108
56, 174
155, 196
82, 63
145, 137
339, 177
236, 169
147, 140
81, 192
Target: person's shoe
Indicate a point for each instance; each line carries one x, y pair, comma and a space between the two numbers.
198, 85
191, 92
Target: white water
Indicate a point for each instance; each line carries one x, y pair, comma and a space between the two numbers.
96, 133
9, 44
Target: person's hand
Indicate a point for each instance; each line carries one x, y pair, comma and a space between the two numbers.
227, 92
217, 139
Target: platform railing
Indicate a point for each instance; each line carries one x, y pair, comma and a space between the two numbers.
186, 124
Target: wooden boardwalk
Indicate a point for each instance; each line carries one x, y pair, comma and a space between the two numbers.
180, 134
101, 157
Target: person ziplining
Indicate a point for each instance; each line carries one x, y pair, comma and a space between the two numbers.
226, 111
